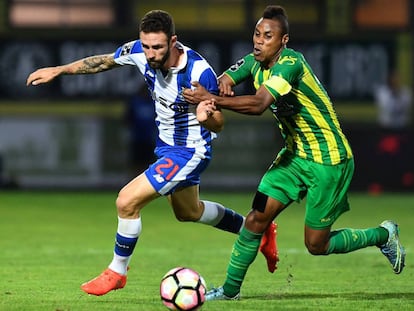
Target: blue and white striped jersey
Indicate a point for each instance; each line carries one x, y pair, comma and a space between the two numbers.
175, 118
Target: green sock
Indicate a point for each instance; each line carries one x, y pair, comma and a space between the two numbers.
348, 240
244, 252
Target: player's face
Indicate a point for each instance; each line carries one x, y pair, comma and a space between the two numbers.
268, 41
156, 48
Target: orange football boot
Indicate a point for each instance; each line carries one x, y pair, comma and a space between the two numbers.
104, 283
268, 247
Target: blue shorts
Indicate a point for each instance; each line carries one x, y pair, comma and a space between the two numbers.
177, 167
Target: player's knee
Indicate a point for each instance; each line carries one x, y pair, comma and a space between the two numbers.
125, 205
186, 216
255, 223
316, 248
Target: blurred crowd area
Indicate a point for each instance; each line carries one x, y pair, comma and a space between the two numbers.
75, 133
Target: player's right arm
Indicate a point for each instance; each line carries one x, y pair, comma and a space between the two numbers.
87, 65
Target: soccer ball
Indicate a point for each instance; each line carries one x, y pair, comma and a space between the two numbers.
182, 289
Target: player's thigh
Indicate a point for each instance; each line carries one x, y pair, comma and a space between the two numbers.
135, 195
327, 196
186, 203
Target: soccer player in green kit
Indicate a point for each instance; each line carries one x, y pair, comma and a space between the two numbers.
316, 161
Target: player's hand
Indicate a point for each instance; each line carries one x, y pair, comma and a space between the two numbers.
225, 85
197, 94
225, 89
205, 109
43, 75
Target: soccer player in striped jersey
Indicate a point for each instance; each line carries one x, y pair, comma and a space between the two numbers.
183, 147
316, 161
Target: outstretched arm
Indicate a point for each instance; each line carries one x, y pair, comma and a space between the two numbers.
246, 104
87, 65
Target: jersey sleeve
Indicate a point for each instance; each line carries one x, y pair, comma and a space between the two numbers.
208, 79
123, 55
201, 71
241, 70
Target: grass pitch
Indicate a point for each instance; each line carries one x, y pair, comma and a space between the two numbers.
51, 242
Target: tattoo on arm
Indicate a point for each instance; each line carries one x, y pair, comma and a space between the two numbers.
96, 63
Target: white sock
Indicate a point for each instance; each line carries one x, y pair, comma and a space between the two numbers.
223, 218
213, 213
127, 228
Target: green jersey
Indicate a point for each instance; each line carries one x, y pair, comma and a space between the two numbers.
302, 107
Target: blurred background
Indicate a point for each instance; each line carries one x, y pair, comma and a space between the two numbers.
92, 131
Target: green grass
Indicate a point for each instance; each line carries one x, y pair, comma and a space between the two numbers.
51, 242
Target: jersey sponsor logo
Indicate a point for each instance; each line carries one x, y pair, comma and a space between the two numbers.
127, 48
237, 65
175, 106
287, 60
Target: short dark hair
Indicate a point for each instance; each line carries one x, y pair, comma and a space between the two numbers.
158, 21
278, 13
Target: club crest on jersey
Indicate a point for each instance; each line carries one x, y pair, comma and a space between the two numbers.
237, 65
127, 48
149, 73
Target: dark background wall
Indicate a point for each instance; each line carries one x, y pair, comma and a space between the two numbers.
73, 132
